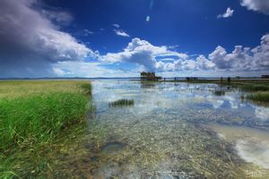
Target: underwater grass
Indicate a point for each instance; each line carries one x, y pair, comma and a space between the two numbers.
219, 93
122, 102
178, 145
37, 118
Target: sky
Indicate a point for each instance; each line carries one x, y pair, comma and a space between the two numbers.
121, 38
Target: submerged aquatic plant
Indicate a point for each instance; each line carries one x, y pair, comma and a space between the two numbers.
219, 93
173, 146
122, 102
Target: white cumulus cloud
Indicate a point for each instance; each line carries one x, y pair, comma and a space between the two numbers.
243, 58
116, 25
229, 13
162, 59
146, 56
88, 69
121, 33
30, 41
256, 5
143, 53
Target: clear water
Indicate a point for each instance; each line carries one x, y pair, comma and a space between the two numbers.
176, 130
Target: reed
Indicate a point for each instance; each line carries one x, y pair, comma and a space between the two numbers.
36, 113
259, 96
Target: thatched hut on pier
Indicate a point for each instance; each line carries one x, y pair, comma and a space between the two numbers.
149, 76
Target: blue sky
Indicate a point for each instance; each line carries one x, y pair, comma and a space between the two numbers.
192, 25
118, 38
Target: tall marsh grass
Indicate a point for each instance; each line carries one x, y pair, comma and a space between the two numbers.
13, 89
34, 113
259, 97
254, 87
34, 119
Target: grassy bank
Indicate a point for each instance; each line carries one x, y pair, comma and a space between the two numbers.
35, 114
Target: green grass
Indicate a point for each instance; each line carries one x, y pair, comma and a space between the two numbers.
254, 87
34, 119
259, 96
13, 89
36, 113
87, 88
122, 102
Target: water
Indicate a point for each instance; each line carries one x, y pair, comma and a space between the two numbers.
251, 144
176, 130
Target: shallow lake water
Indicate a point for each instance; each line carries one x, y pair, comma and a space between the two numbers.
176, 130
